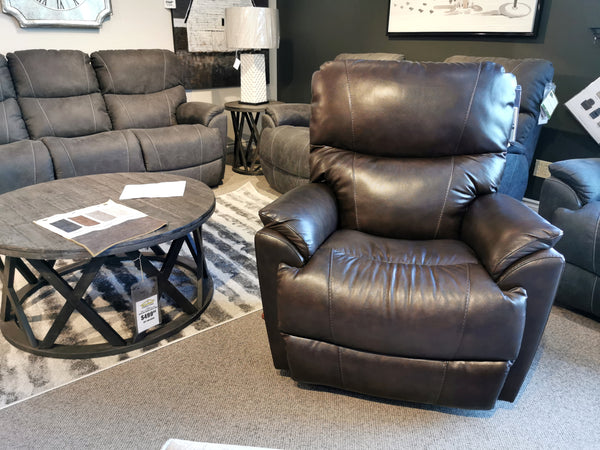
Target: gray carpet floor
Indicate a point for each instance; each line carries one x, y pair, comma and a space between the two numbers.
220, 386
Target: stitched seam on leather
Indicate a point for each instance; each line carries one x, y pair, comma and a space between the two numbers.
288, 244
595, 244
442, 382
164, 70
5, 113
340, 370
37, 100
201, 145
466, 313
517, 267
131, 123
510, 254
329, 303
128, 152
350, 103
593, 293
34, 163
468, 113
155, 149
87, 78
5, 116
93, 113
68, 156
437, 228
402, 263
168, 108
354, 191
112, 81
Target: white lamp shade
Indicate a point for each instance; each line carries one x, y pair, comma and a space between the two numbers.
251, 28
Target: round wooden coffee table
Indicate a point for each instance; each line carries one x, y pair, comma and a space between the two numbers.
25, 244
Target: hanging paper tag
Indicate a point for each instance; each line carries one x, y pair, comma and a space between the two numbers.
549, 104
236, 64
144, 296
170, 4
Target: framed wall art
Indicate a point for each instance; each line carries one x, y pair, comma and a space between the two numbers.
464, 17
199, 40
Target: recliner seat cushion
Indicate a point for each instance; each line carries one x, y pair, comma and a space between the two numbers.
58, 93
416, 299
109, 152
24, 163
179, 146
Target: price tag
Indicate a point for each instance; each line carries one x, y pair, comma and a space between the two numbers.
170, 4
145, 300
236, 64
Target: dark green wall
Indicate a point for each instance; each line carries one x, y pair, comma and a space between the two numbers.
315, 31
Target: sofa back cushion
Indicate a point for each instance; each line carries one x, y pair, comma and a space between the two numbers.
407, 146
58, 93
12, 127
142, 88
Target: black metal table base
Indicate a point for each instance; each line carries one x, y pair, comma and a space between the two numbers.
245, 159
16, 326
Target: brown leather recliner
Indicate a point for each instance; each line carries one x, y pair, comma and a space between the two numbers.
399, 271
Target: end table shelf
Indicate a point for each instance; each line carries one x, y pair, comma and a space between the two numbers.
245, 157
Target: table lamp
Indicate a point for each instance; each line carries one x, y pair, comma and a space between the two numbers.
252, 28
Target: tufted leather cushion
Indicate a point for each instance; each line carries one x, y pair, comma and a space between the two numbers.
58, 93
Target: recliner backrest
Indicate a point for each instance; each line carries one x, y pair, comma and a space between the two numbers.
142, 88
58, 93
12, 126
407, 146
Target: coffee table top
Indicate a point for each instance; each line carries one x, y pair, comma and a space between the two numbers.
20, 237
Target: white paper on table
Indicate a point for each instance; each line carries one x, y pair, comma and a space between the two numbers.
153, 190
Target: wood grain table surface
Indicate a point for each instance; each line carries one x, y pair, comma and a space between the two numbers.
20, 237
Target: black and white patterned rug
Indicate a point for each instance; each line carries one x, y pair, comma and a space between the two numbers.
228, 239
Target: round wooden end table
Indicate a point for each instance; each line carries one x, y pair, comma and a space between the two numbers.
26, 245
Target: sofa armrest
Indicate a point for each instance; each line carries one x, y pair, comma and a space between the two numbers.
582, 175
197, 112
502, 230
295, 114
305, 216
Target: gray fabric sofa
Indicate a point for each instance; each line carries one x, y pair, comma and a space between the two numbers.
64, 113
284, 147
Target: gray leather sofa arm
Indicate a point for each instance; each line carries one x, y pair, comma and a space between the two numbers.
294, 114
197, 112
502, 230
305, 216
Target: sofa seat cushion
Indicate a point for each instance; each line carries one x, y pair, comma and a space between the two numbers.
112, 151
24, 163
179, 147
415, 299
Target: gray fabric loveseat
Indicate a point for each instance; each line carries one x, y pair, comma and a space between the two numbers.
64, 113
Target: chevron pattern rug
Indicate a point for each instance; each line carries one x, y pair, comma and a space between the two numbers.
228, 239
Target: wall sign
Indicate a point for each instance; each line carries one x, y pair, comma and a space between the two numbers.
198, 35
464, 17
58, 13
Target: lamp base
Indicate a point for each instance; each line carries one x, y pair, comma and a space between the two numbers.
253, 79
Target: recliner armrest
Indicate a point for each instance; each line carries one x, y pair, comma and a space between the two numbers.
502, 230
295, 114
306, 216
582, 175
197, 112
